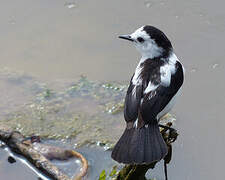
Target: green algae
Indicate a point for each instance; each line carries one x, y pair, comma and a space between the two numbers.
84, 111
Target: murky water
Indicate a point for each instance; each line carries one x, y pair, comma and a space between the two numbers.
50, 44
17, 170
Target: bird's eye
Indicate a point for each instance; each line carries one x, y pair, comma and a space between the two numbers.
140, 39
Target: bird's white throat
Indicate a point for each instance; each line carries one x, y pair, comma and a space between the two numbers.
149, 48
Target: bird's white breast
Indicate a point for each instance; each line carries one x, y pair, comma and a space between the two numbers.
169, 106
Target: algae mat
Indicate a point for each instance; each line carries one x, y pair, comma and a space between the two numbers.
82, 110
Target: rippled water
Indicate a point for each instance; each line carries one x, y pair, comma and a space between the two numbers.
53, 43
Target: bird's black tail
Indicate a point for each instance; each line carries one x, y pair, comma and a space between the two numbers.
140, 145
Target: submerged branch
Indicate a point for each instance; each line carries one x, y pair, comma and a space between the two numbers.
18, 144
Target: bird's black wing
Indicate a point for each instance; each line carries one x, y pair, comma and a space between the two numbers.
132, 102
150, 68
155, 101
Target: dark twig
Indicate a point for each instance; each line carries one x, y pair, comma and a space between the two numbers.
165, 170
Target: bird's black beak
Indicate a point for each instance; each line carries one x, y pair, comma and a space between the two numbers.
127, 37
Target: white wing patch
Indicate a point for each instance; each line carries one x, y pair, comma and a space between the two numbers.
168, 70
165, 72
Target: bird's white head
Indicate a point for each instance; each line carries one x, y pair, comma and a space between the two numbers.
150, 42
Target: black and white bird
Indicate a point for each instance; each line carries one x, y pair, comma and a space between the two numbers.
151, 94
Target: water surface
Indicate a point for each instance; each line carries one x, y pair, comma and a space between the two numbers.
54, 43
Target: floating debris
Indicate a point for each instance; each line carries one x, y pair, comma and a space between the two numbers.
70, 5
11, 160
101, 144
114, 108
12, 21
106, 145
193, 70
215, 65
148, 3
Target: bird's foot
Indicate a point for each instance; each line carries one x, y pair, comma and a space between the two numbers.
172, 133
